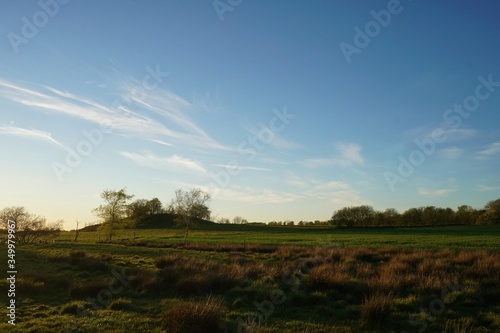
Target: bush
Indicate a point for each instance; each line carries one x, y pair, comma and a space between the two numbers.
194, 317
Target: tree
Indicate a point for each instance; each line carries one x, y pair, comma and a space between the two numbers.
189, 206
113, 214
465, 214
412, 217
137, 210
200, 211
142, 208
77, 231
223, 220
154, 207
492, 213
237, 220
391, 217
353, 216
29, 227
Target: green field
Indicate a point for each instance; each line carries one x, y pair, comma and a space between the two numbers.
459, 237
253, 278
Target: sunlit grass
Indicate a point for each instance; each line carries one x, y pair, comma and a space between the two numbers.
460, 237
323, 280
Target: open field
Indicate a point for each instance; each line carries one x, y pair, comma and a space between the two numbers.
261, 279
459, 237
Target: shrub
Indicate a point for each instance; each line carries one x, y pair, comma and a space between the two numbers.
194, 317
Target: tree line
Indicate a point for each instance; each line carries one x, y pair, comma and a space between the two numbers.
118, 212
30, 228
366, 216
189, 206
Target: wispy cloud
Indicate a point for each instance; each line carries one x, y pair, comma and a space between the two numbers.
163, 162
486, 188
348, 154
30, 133
435, 192
316, 163
269, 137
172, 111
253, 196
451, 134
241, 167
489, 151
452, 153
163, 143
456, 134
339, 194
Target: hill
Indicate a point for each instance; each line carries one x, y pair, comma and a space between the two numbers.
168, 221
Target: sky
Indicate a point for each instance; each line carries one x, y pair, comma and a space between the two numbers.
281, 110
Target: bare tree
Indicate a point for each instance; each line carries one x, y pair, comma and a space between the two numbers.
239, 220
189, 206
29, 227
77, 231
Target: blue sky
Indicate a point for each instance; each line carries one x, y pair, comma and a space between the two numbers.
282, 110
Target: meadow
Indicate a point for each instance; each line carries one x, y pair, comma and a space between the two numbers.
253, 278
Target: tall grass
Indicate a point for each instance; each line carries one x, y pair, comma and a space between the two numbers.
205, 316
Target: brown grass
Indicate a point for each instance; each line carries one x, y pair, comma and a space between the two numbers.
88, 289
371, 280
205, 316
141, 279
376, 309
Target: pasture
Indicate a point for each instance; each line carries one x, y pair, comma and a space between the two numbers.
252, 278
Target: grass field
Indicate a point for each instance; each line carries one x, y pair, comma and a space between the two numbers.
262, 279
457, 237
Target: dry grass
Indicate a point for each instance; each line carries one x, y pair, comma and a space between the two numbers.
88, 289
141, 279
376, 309
372, 281
205, 316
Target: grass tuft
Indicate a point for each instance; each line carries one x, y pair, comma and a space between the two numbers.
88, 289
194, 317
376, 310
121, 304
